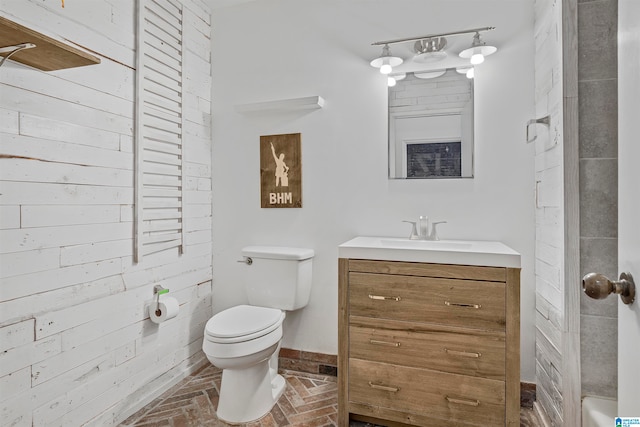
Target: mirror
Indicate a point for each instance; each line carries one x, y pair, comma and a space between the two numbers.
431, 126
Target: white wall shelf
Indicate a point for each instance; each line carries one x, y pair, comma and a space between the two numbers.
304, 103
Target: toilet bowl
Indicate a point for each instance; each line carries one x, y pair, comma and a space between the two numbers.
242, 341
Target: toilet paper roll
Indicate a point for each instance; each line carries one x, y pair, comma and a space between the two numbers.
168, 309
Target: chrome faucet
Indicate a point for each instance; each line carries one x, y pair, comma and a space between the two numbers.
422, 231
433, 235
414, 233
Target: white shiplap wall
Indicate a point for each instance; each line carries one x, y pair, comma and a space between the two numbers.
557, 213
76, 343
549, 209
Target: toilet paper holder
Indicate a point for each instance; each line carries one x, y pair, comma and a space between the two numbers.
157, 291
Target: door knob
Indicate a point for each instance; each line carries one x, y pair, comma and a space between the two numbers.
598, 286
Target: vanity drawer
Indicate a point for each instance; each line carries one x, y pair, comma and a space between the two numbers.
455, 398
464, 303
455, 351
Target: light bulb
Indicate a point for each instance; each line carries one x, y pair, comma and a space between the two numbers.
470, 73
391, 81
477, 58
385, 69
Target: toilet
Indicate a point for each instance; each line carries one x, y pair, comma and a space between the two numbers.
244, 340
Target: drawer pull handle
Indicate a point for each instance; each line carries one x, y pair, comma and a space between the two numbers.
383, 387
383, 298
462, 401
459, 304
462, 353
387, 343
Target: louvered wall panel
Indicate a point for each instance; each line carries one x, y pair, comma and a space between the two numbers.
159, 174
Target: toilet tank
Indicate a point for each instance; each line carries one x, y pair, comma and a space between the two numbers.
278, 277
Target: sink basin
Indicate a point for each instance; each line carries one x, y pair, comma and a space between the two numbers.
446, 245
465, 252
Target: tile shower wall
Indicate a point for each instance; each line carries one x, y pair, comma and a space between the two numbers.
598, 115
76, 343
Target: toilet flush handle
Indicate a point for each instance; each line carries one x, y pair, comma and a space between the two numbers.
598, 286
246, 260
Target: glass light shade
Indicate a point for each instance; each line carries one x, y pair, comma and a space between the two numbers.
430, 50
429, 57
394, 61
482, 50
470, 73
429, 74
391, 81
385, 61
386, 69
477, 58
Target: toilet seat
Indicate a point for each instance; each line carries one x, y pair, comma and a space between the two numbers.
243, 323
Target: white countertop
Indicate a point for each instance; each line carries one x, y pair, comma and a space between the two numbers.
462, 252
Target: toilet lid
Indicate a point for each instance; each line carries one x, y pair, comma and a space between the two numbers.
242, 320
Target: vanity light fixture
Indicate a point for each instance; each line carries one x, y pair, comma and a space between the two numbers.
386, 62
478, 50
430, 48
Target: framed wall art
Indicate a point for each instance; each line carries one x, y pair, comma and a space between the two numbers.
280, 171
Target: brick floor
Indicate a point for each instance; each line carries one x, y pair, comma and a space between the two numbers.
310, 400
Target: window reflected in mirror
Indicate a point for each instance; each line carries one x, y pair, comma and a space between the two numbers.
434, 159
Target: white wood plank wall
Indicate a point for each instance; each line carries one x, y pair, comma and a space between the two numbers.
550, 241
449, 93
76, 343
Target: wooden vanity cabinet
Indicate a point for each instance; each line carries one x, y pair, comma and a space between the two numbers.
428, 344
